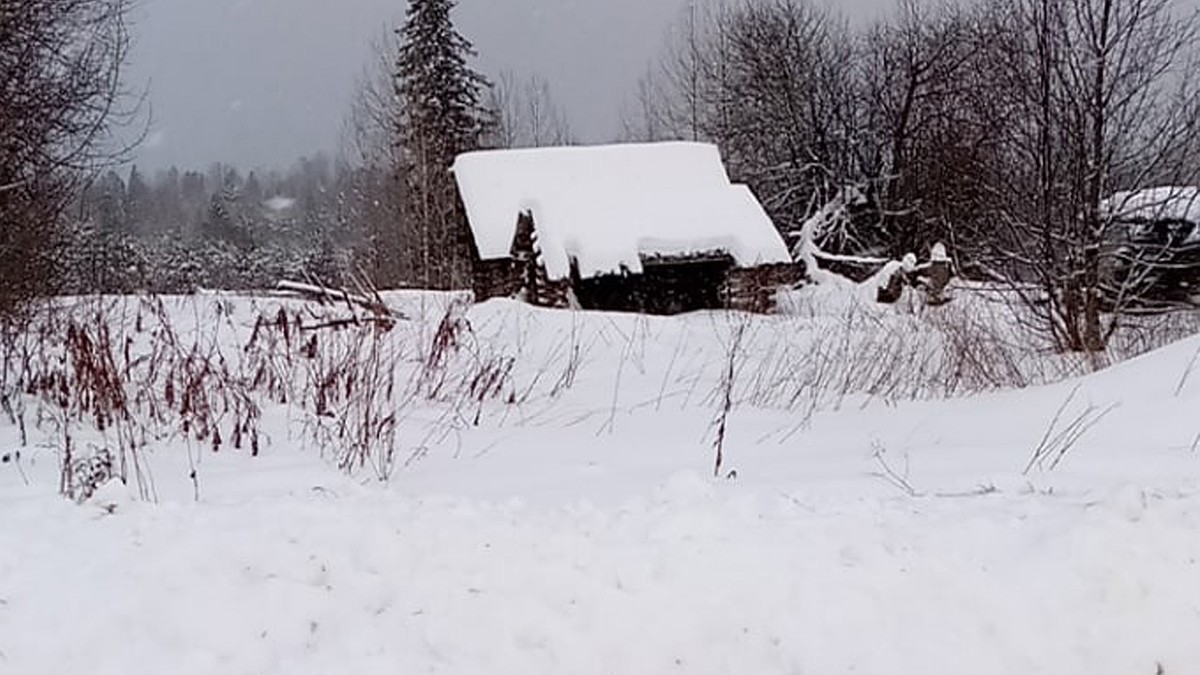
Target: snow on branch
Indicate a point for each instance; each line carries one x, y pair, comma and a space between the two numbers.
831, 217
892, 276
13, 186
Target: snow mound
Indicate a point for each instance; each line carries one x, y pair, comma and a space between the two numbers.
607, 207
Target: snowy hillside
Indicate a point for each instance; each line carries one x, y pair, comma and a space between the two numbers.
888, 502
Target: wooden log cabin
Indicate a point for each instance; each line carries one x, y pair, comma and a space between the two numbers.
654, 228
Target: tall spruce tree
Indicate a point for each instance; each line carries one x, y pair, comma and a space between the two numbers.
442, 115
137, 203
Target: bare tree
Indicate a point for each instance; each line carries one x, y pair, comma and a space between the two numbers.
804, 107
60, 99
1093, 96
373, 198
917, 134
528, 116
680, 95
641, 116
368, 132
769, 82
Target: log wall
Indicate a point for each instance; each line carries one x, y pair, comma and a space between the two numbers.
753, 289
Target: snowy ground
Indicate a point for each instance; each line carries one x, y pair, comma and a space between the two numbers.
581, 532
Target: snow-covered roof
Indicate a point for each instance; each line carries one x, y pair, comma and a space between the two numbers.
608, 206
1160, 203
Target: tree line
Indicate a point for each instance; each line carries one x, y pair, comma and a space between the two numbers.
996, 126
176, 232
386, 208
75, 217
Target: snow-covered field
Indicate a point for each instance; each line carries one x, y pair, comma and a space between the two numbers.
884, 506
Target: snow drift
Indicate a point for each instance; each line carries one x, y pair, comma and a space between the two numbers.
581, 532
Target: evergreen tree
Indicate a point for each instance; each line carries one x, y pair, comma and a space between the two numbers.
442, 116
137, 203
253, 193
167, 201
227, 221
109, 203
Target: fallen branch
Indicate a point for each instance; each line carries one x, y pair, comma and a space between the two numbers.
331, 296
383, 322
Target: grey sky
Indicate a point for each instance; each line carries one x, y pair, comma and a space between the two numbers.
263, 82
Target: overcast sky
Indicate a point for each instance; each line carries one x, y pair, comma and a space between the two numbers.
259, 83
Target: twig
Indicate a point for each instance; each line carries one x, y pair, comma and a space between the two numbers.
1037, 453
626, 353
887, 473
1055, 446
981, 491
727, 382
1187, 373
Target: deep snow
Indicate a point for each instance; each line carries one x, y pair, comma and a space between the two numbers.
583, 534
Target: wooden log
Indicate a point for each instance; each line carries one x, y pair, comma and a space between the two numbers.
331, 296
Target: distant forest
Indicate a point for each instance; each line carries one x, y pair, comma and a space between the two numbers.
179, 231
321, 220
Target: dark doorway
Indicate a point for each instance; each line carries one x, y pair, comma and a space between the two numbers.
664, 287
